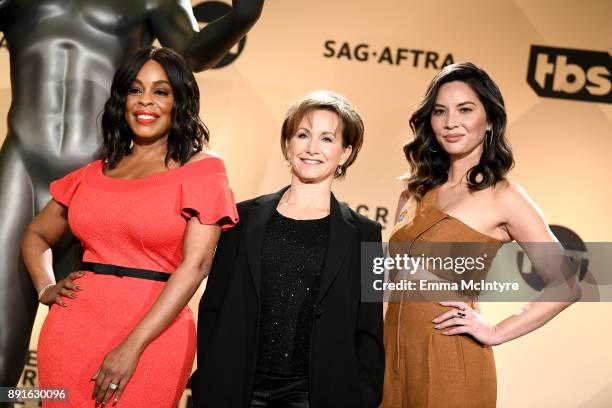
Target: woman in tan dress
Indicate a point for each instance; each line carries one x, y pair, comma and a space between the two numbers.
438, 354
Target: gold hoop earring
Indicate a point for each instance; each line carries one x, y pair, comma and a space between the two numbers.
433, 143
488, 139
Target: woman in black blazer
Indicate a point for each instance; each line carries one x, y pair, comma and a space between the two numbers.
281, 323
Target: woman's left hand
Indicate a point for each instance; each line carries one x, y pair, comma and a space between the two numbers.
114, 373
464, 320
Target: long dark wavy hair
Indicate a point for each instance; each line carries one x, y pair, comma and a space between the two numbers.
429, 163
187, 136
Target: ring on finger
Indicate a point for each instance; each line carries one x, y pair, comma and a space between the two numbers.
113, 386
461, 314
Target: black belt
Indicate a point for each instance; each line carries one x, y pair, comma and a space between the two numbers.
121, 271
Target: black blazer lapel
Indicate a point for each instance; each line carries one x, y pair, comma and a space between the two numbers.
258, 219
341, 231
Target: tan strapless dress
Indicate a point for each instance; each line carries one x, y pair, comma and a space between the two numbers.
424, 368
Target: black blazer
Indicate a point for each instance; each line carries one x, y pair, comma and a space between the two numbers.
346, 349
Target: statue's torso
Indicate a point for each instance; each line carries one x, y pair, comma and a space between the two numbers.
63, 56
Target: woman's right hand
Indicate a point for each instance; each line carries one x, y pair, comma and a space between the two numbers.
64, 288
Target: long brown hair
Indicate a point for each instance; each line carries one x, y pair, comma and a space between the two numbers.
429, 163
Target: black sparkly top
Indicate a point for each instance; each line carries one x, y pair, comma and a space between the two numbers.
293, 256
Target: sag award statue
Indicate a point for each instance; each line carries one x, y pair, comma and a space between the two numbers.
63, 55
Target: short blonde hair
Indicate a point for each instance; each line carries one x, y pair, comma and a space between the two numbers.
352, 125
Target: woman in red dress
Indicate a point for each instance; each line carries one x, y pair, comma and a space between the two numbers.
148, 214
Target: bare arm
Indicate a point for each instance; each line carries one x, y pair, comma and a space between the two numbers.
525, 224
174, 24
199, 246
39, 237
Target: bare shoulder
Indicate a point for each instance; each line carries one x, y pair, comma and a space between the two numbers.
511, 195
405, 204
404, 196
207, 154
523, 219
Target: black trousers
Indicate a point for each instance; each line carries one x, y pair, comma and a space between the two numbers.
280, 392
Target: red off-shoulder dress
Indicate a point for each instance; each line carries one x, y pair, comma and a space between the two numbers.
136, 223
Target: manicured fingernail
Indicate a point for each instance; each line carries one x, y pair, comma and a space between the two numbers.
72, 295
437, 326
434, 321
77, 287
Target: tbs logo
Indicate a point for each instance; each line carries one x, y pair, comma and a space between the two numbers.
570, 74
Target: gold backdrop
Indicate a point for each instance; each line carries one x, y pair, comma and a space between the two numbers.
382, 55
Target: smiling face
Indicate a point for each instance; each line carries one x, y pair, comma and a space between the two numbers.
316, 148
149, 102
459, 120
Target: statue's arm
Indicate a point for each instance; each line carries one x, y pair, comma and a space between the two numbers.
175, 26
4, 4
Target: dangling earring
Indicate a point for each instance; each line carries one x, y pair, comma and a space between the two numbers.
338, 170
488, 139
131, 144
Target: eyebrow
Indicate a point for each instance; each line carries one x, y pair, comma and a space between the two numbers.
161, 81
324, 133
459, 104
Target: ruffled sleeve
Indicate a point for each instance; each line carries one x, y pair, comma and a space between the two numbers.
208, 197
62, 190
